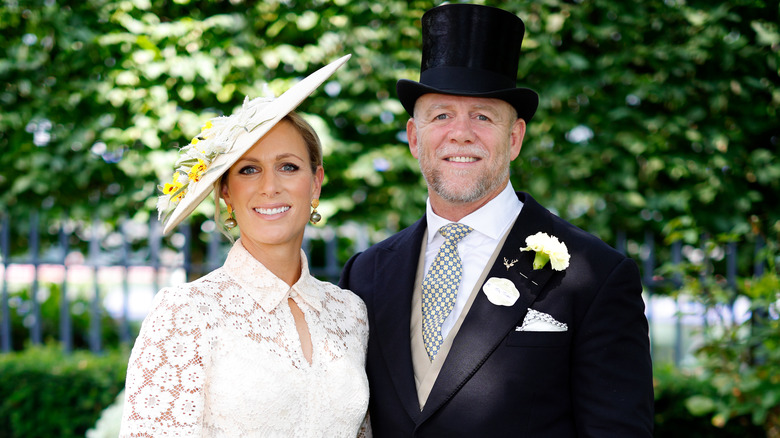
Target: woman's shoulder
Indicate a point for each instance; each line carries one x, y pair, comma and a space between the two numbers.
206, 283
194, 303
191, 292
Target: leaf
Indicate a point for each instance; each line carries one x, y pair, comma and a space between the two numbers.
699, 405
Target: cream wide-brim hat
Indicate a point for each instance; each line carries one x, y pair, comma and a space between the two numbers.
234, 135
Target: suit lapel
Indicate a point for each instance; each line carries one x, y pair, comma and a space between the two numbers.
392, 311
487, 324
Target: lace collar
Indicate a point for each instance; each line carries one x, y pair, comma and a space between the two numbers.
265, 287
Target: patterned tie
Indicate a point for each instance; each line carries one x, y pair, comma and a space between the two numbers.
440, 286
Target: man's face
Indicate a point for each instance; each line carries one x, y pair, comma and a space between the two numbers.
464, 145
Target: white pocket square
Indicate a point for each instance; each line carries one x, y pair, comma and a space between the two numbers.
536, 321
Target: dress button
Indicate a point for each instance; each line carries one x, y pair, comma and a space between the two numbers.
293, 294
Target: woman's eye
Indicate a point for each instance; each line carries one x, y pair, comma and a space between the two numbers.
248, 170
289, 167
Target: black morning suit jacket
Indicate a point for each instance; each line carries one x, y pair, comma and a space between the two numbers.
593, 380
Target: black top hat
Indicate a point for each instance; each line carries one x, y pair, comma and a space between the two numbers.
470, 50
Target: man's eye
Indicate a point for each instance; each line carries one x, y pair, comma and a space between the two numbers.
483, 117
441, 117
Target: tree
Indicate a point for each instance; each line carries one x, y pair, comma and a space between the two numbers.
649, 112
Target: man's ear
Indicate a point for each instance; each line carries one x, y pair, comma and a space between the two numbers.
516, 138
411, 136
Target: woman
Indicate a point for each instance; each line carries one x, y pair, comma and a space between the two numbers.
257, 347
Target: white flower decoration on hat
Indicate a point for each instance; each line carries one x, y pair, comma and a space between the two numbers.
216, 137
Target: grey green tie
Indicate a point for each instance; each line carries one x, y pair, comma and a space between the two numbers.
440, 286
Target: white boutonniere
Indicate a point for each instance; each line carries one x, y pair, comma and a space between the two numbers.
501, 291
547, 248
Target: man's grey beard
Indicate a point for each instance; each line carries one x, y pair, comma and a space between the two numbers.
475, 193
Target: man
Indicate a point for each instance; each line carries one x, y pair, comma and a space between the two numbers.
485, 327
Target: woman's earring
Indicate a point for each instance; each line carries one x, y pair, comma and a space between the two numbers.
230, 222
315, 217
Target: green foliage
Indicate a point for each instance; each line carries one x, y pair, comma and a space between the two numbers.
649, 111
680, 97
45, 392
738, 357
674, 388
743, 360
110, 421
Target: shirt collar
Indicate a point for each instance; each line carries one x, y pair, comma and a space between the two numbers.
492, 219
265, 287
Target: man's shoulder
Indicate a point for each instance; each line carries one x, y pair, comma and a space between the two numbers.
575, 238
578, 239
398, 249
410, 235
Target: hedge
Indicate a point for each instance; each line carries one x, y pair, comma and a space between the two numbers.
673, 387
45, 392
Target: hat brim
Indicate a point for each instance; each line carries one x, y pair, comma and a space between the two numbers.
269, 114
524, 100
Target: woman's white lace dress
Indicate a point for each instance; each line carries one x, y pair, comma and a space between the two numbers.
221, 357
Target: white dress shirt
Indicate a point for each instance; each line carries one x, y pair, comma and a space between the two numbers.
490, 222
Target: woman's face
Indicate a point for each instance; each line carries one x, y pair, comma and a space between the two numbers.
270, 189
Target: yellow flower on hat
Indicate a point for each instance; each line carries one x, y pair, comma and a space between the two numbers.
547, 248
171, 187
197, 170
174, 188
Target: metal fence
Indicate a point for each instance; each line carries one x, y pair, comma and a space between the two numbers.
115, 267
677, 320
118, 269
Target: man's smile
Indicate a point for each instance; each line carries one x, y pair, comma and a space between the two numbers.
462, 159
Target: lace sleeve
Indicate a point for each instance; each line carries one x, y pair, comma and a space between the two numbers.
165, 375
362, 317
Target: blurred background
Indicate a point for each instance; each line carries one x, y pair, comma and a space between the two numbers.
657, 131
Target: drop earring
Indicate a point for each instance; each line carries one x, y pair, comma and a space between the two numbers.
230, 222
315, 217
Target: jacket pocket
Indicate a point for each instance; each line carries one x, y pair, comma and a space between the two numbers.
538, 339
